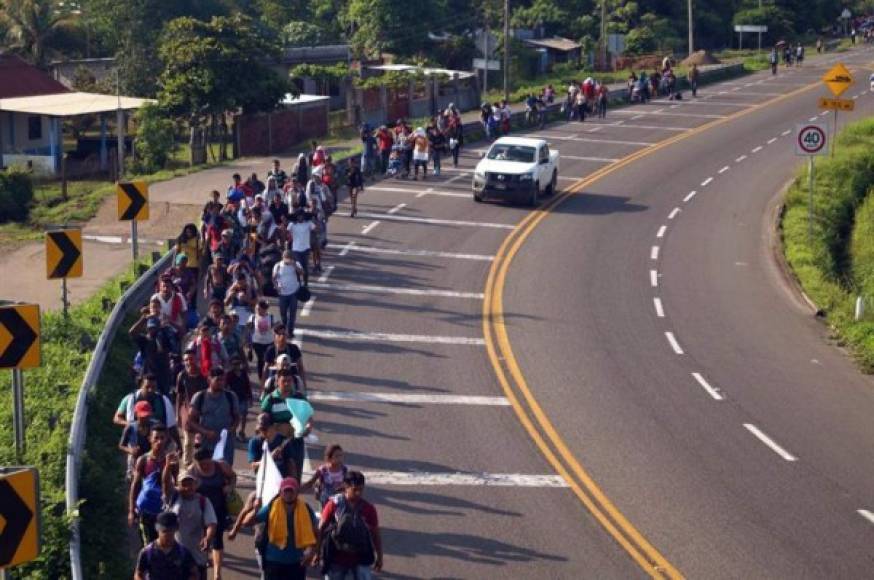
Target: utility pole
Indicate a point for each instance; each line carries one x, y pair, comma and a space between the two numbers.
506, 50
691, 34
486, 59
602, 49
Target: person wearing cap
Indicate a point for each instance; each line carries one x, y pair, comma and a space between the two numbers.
277, 443
145, 497
288, 544
214, 410
282, 345
197, 517
286, 279
165, 558
162, 409
134, 440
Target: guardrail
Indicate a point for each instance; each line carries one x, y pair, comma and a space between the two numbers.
131, 299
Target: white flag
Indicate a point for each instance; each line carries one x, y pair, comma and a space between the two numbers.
268, 479
218, 454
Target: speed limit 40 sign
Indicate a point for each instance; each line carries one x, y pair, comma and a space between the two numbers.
811, 139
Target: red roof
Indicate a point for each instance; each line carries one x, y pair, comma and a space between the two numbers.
20, 79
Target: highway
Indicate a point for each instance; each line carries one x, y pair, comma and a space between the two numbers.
492, 369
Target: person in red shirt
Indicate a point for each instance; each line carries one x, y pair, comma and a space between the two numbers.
349, 533
384, 141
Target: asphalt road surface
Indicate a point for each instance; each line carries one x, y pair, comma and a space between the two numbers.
760, 474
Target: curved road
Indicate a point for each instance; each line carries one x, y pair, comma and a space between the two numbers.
400, 371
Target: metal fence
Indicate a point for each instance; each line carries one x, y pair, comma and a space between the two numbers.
130, 300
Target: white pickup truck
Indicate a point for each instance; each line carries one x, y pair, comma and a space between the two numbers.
516, 168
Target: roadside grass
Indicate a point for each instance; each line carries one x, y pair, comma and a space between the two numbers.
837, 264
51, 391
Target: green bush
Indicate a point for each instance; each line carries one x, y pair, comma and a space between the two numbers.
640, 40
16, 193
155, 143
50, 398
837, 263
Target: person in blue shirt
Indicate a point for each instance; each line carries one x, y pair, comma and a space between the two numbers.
279, 445
288, 543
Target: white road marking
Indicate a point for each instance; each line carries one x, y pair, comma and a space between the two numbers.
396, 290
769, 442
724, 169
654, 253
855, 97
654, 278
812, 119
366, 229
594, 159
420, 193
823, 114
397, 208
405, 398
757, 149
660, 312
786, 132
706, 182
437, 221
636, 117
308, 307
422, 253
326, 273
667, 114
865, 513
587, 140
771, 140
673, 213
345, 249
594, 129
416, 478
713, 392
673, 341
741, 264
457, 177
661, 232
653, 127
430, 191
388, 337
741, 158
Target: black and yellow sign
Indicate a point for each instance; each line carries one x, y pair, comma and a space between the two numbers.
19, 336
838, 79
133, 200
64, 254
836, 104
19, 516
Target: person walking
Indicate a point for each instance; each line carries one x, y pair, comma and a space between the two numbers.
217, 479
384, 142
603, 98
327, 480
261, 329
189, 382
355, 183
286, 280
215, 410
164, 558
280, 413
288, 545
278, 445
277, 174
145, 493
692, 76
134, 440
282, 345
420, 153
349, 538
772, 59
437, 142
197, 518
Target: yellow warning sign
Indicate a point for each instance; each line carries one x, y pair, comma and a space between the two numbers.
836, 104
19, 512
133, 200
19, 336
838, 79
64, 254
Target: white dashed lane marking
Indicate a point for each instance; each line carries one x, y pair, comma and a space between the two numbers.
713, 392
660, 311
772, 445
672, 340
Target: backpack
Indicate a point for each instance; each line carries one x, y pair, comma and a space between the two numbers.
178, 552
322, 492
228, 396
350, 532
149, 499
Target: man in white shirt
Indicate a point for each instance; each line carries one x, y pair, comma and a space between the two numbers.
301, 230
286, 280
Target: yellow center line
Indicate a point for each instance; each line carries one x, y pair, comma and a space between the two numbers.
528, 410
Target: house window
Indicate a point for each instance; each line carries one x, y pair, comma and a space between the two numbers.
34, 128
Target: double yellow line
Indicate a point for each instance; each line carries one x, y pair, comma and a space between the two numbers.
515, 387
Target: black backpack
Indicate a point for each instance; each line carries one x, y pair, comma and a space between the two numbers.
349, 532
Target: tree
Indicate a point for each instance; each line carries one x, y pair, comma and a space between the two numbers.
640, 40
392, 26
212, 68
154, 138
31, 24
302, 33
540, 13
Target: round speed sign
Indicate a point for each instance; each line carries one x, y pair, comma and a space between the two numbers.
811, 139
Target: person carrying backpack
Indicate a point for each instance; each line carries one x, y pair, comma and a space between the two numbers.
214, 410
145, 497
197, 518
349, 539
165, 558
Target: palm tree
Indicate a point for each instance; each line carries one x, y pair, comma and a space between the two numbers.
31, 24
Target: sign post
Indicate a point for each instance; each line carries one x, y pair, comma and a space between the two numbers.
741, 28
19, 349
133, 206
64, 258
20, 514
811, 140
838, 79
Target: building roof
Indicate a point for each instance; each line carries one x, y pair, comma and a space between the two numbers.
303, 99
20, 79
71, 104
427, 71
555, 43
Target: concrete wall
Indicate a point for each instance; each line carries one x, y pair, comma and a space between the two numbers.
269, 133
14, 127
